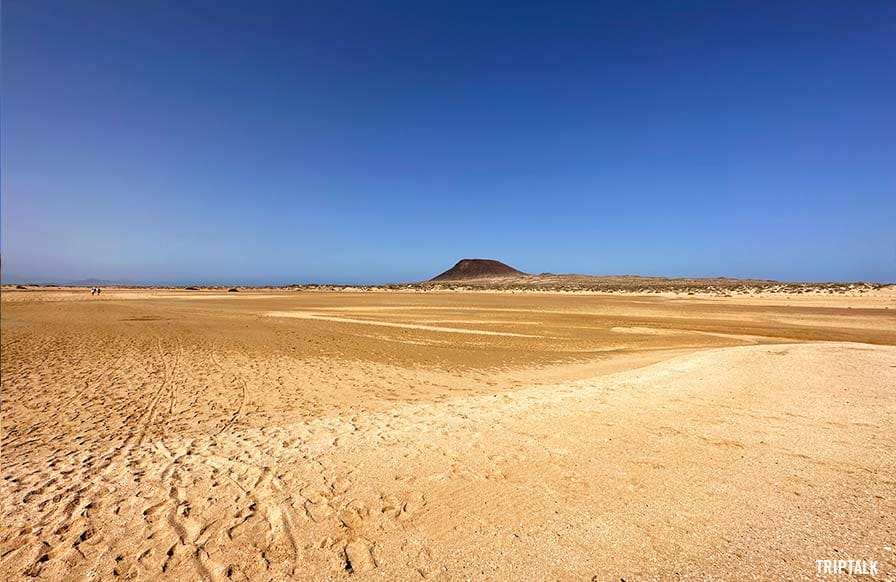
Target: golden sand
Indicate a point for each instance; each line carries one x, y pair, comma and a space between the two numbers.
399, 436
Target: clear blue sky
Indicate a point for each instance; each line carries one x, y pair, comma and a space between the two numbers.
264, 142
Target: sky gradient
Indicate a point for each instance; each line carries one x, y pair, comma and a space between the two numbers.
370, 142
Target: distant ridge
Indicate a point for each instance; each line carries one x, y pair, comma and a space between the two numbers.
492, 274
467, 269
96, 282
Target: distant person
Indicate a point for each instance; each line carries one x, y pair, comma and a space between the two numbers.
93, 290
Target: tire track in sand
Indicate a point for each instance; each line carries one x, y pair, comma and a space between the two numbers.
167, 378
236, 379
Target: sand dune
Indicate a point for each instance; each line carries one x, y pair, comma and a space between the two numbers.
154, 439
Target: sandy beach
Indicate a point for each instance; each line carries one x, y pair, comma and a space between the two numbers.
277, 435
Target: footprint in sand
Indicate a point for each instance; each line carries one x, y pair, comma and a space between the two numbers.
359, 556
354, 514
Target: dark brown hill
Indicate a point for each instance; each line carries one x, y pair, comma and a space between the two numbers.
467, 269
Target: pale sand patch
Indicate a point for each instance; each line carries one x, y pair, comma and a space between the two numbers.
480, 321
310, 315
746, 338
646, 331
